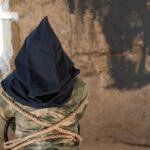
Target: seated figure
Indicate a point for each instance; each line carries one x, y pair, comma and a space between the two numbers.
45, 95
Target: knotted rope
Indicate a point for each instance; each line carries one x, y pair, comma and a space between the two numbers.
21, 142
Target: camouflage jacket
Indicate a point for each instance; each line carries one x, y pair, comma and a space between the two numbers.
52, 115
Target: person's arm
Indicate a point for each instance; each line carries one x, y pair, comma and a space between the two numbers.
6, 111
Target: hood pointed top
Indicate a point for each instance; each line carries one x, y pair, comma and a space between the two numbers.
42, 66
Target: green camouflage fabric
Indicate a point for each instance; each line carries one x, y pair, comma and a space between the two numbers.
52, 115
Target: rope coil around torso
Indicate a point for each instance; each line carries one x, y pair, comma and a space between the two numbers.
21, 142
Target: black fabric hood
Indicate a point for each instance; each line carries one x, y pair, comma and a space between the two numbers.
44, 74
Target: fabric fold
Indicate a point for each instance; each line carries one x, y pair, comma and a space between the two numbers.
44, 74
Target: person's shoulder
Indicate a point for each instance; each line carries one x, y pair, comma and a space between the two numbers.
79, 91
79, 82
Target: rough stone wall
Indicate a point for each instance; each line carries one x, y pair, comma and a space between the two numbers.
109, 41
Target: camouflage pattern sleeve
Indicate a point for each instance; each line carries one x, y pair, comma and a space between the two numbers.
6, 111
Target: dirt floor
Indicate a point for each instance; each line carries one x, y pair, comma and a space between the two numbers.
109, 146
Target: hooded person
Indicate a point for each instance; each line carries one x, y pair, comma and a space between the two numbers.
44, 93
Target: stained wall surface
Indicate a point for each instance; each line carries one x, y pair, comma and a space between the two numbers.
110, 42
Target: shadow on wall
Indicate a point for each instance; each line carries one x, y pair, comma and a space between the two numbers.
123, 21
